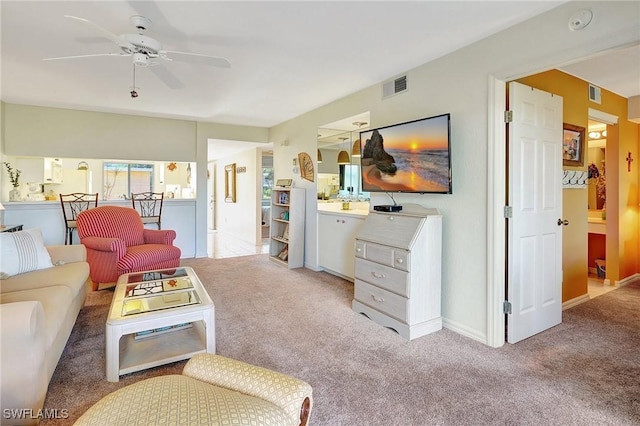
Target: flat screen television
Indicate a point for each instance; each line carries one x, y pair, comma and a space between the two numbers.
414, 156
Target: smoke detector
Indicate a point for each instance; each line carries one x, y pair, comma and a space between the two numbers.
580, 19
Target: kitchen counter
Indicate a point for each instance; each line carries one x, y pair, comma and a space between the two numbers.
358, 208
177, 214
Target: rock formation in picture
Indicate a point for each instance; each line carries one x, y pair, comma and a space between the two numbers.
374, 153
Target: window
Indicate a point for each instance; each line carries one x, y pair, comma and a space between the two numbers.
121, 179
267, 182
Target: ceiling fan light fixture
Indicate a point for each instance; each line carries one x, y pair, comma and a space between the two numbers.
141, 59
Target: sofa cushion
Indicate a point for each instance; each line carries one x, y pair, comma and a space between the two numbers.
21, 252
55, 302
73, 275
181, 400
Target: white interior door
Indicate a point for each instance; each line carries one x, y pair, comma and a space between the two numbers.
534, 280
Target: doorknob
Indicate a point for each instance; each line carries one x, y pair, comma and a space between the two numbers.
563, 222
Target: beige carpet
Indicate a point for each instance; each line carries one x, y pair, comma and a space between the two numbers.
585, 371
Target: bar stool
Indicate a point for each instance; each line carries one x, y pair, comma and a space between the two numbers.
149, 206
72, 205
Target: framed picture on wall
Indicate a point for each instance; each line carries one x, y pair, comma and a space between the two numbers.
572, 145
230, 183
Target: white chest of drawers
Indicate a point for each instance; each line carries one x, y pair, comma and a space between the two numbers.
398, 270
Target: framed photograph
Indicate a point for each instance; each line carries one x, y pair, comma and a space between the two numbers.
230, 183
573, 145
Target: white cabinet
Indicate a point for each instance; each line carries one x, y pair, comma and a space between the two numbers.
39, 170
398, 270
52, 170
286, 245
336, 242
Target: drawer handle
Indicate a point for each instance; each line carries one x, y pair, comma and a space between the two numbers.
400, 261
377, 299
391, 217
377, 275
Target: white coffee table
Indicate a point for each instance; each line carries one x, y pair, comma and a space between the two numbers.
158, 317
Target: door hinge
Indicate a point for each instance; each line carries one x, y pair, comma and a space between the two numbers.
508, 212
508, 116
506, 307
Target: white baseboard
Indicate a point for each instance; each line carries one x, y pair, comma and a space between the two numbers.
627, 280
575, 301
465, 331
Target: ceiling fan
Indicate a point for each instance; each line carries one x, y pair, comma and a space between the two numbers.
146, 52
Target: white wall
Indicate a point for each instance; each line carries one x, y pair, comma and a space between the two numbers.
241, 219
55, 132
459, 83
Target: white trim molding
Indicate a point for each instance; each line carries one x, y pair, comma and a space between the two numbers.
575, 301
627, 280
603, 117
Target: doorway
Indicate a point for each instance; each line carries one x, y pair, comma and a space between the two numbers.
498, 249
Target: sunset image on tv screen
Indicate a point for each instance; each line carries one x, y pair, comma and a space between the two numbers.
410, 157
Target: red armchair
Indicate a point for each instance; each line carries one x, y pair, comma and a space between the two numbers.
118, 243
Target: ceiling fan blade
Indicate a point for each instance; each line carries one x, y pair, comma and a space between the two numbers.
166, 76
197, 58
86, 56
105, 33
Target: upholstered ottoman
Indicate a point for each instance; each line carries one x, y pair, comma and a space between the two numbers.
212, 390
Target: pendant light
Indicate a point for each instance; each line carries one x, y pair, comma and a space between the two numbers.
343, 156
319, 156
355, 149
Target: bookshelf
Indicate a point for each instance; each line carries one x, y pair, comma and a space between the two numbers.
286, 245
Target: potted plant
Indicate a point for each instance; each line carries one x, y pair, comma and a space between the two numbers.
14, 177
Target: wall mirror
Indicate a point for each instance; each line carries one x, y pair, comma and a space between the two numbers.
339, 159
596, 149
230, 183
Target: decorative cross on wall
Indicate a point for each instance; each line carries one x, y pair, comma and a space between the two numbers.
629, 160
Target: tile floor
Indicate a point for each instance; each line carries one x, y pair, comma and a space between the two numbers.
220, 245
597, 287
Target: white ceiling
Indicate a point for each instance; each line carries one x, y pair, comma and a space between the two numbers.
616, 70
286, 57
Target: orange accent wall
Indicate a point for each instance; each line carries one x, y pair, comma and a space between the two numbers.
623, 233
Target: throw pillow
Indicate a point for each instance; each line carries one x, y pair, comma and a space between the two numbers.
22, 251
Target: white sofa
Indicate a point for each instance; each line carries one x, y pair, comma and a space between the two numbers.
38, 310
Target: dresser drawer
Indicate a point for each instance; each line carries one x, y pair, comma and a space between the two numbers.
381, 300
383, 276
386, 255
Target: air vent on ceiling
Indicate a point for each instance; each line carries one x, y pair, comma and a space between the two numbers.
595, 94
395, 86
